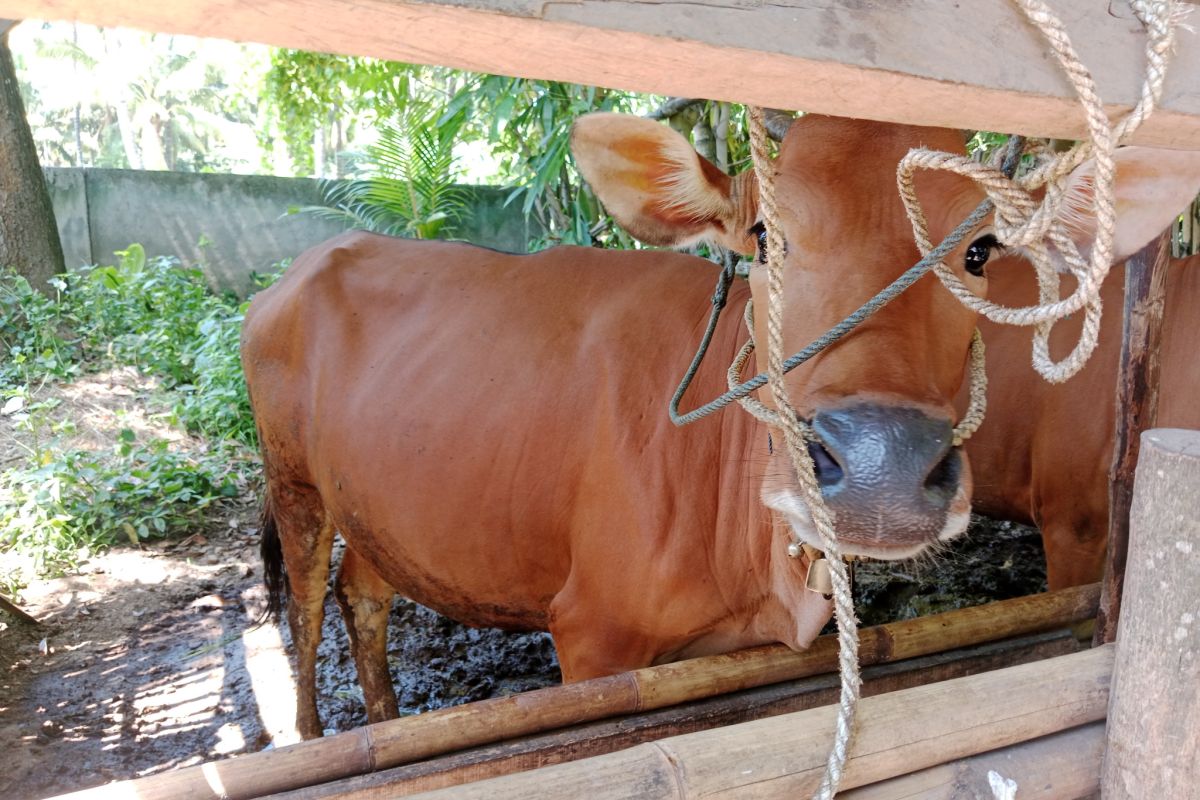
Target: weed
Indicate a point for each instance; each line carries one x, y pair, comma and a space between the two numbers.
63, 503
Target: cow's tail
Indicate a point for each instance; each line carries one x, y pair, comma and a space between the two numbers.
274, 575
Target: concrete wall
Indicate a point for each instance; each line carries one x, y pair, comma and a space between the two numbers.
241, 219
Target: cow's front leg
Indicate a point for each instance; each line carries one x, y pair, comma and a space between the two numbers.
594, 639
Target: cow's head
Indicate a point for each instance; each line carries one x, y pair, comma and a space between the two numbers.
881, 400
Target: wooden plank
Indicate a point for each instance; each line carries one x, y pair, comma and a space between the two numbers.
408, 739
1153, 742
17, 612
1053, 767
1137, 410
931, 62
584, 741
784, 756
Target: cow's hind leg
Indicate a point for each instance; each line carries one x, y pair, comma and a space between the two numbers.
297, 534
366, 603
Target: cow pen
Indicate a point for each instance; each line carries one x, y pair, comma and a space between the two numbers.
962, 703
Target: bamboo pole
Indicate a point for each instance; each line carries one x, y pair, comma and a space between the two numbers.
607, 736
1153, 734
1137, 409
410, 739
784, 756
1053, 767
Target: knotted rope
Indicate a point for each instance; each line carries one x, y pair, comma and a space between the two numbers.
1042, 228
1021, 221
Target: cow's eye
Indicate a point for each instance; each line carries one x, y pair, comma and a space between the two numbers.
759, 231
978, 253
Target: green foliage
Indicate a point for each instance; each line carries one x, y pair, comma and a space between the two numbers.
306, 91
406, 185
67, 504
528, 125
120, 98
214, 403
32, 343
984, 144
153, 314
141, 312
431, 110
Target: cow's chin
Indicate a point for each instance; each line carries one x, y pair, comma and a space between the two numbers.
793, 509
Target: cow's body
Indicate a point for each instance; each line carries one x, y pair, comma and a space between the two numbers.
459, 423
1042, 455
488, 432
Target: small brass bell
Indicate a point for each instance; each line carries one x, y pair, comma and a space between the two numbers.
819, 578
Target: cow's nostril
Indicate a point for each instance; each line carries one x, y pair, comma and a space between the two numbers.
828, 471
941, 484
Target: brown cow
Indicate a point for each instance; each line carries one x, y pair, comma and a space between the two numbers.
488, 433
1043, 454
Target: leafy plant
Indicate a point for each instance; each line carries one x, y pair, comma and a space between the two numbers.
406, 184
78, 501
32, 338
215, 403
64, 502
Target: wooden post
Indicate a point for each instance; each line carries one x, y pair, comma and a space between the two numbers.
1137, 409
1154, 713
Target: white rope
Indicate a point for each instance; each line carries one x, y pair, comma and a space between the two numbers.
796, 435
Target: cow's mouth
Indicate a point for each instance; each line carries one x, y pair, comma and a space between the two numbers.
874, 536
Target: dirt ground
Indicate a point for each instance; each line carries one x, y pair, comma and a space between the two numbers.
149, 659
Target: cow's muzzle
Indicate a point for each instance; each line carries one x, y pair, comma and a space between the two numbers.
891, 476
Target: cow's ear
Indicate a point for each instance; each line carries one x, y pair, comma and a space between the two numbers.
1152, 187
652, 181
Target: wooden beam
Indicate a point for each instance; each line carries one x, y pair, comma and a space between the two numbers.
784, 756
608, 736
409, 739
1137, 410
930, 62
16, 611
1060, 765
1153, 742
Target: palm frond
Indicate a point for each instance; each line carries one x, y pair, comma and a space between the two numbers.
405, 184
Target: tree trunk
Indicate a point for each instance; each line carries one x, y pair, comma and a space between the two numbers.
28, 234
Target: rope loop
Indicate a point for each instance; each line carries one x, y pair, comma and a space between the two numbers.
1038, 227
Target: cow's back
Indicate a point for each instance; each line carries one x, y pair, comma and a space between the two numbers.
477, 422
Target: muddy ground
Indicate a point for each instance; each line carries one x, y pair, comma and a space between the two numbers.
148, 659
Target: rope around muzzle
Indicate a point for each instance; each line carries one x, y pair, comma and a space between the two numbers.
1020, 221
